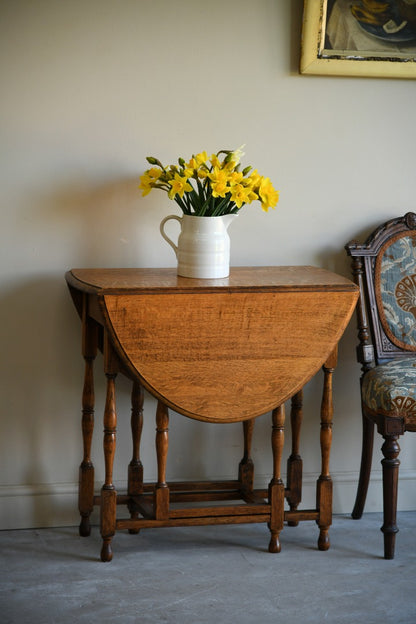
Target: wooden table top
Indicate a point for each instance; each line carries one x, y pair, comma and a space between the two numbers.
227, 349
106, 281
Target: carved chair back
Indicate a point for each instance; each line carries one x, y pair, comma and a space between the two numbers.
384, 268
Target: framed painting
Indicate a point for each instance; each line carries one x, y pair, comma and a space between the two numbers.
359, 38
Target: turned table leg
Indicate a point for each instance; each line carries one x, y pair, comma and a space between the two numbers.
276, 486
294, 462
324, 484
161, 495
135, 472
108, 491
246, 466
86, 469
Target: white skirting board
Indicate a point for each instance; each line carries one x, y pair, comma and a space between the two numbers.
55, 504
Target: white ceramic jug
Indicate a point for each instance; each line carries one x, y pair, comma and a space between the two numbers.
203, 249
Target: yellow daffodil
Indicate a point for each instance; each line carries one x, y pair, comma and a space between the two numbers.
144, 186
218, 175
254, 179
179, 185
203, 172
154, 174
235, 177
201, 158
220, 189
148, 180
210, 187
196, 161
219, 182
215, 161
192, 164
268, 195
242, 195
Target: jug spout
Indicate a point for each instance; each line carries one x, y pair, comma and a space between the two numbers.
228, 219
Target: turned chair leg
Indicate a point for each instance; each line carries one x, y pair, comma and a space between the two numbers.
390, 463
365, 469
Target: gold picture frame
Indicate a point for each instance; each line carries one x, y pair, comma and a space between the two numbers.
336, 43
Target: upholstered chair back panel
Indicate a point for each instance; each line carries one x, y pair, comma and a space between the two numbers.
395, 286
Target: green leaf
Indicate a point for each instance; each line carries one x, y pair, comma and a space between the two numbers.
222, 206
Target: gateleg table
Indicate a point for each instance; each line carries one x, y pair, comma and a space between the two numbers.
219, 351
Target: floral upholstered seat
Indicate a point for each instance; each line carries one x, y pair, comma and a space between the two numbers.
390, 389
385, 270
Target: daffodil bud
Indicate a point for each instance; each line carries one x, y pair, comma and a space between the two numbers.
246, 170
154, 161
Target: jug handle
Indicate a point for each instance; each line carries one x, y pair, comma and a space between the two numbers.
165, 236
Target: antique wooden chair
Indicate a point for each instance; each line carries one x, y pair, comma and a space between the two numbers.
384, 268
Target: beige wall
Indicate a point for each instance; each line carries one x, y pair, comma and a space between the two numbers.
88, 89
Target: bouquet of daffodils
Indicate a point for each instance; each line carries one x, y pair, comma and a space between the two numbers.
210, 187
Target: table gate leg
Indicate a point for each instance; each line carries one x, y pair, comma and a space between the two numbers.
294, 463
161, 495
86, 469
246, 466
108, 491
276, 486
135, 472
324, 484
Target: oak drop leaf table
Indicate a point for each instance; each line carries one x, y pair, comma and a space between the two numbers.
224, 350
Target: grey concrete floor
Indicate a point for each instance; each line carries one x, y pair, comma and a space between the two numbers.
207, 575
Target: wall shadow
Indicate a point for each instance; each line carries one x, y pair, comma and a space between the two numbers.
109, 224
85, 225
39, 336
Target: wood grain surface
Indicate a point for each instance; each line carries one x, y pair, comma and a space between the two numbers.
223, 357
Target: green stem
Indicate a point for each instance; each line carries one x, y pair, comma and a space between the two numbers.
181, 204
223, 204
